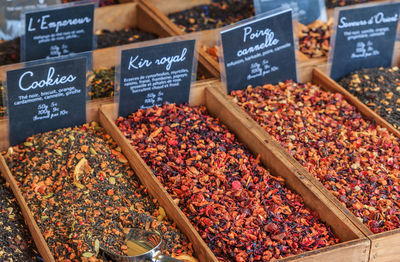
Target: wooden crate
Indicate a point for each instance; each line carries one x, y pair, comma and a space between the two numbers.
383, 245
202, 252
354, 246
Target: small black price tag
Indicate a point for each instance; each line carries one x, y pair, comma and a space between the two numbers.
306, 11
46, 97
259, 51
58, 32
363, 37
157, 74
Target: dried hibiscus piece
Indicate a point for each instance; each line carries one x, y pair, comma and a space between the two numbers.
241, 211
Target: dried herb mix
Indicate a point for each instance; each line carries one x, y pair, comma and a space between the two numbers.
314, 38
356, 160
102, 83
16, 241
215, 15
83, 193
241, 210
379, 89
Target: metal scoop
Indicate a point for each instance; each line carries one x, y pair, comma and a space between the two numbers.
143, 246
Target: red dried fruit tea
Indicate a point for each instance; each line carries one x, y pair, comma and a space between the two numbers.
355, 159
225, 192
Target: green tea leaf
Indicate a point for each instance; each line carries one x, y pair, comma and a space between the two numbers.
97, 246
87, 254
48, 195
79, 185
28, 144
92, 151
58, 151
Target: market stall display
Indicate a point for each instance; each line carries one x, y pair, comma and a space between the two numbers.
352, 246
293, 171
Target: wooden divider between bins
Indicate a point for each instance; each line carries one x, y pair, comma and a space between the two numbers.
356, 246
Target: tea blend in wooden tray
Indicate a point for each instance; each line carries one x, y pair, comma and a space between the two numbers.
379, 89
82, 194
354, 245
241, 211
356, 165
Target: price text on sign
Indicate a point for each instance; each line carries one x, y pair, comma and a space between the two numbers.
46, 97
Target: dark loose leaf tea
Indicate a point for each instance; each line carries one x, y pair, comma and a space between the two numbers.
82, 194
9, 52
107, 38
379, 89
215, 15
355, 159
16, 243
240, 210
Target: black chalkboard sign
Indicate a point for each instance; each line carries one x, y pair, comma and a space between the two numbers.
307, 11
46, 97
10, 15
58, 32
364, 38
259, 52
156, 74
